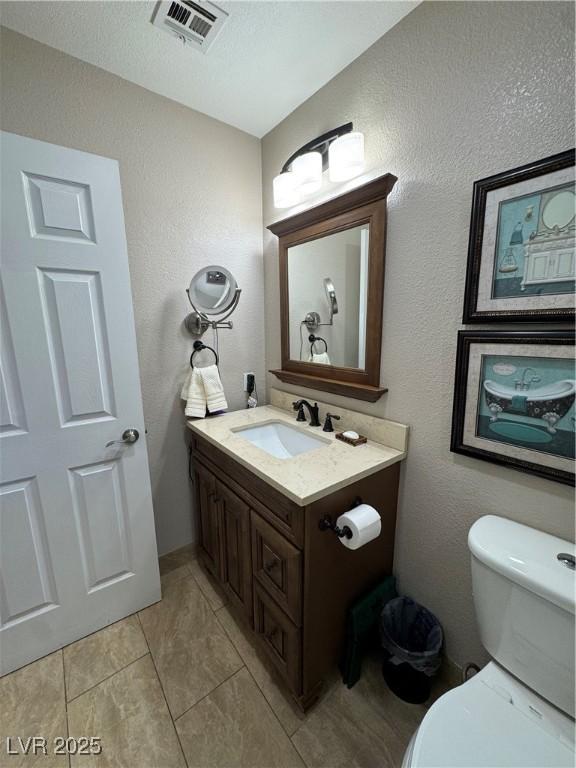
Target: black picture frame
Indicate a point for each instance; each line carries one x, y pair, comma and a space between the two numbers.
471, 314
457, 445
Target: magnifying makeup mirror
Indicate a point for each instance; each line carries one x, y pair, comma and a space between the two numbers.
212, 290
331, 295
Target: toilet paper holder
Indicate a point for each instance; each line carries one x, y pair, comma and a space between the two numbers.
327, 524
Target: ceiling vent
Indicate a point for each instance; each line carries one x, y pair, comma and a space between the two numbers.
196, 23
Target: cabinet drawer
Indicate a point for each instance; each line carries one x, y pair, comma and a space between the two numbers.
277, 565
279, 636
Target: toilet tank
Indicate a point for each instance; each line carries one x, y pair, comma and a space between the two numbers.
524, 599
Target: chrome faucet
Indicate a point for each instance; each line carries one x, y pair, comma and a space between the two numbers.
313, 410
522, 384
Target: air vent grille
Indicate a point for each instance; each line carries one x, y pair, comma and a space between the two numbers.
200, 26
179, 13
195, 23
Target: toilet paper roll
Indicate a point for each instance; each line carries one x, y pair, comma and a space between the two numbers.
364, 522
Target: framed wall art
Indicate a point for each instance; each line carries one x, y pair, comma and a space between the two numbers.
521, 250
514, 400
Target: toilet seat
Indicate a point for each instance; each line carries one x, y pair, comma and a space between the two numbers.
492, 720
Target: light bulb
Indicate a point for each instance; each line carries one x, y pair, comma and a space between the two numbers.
308, 170
285, 188
346, 156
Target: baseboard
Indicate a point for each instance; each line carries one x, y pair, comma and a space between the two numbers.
191, 548
450, 673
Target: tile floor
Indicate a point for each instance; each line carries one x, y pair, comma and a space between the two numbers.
180, 684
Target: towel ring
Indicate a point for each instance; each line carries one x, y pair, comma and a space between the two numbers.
198, 347
313, 339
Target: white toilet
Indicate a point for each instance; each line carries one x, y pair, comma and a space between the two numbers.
519, 710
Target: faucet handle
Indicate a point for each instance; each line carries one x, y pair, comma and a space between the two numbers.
328, 422
299, 406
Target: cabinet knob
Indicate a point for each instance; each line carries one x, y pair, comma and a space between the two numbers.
270, 565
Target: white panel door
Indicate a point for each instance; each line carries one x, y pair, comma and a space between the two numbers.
77, 540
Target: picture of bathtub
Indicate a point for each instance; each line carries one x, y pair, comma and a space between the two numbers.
515, 400
528, 401
549, 403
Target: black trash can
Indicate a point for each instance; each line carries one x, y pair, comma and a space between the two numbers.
412, 640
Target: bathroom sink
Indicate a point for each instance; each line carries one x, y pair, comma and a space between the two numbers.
280, 439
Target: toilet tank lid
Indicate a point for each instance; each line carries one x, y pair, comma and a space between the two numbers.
527, 557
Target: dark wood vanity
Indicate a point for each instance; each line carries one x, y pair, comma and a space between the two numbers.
290, 581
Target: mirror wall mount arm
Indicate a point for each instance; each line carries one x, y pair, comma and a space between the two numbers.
319, 144
364, 205
197, 323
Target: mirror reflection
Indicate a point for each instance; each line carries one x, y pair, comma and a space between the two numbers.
212, 290
327, 298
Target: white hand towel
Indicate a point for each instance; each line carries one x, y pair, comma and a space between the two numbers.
321, 359
193, 393
213, 390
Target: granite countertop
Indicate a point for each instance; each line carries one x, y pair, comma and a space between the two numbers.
303, 478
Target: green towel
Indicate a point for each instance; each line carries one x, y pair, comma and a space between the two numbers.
362, 627
519, 403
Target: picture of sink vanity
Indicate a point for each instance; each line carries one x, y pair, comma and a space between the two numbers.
263, 483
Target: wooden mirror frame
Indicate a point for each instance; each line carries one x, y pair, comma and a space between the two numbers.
363, 205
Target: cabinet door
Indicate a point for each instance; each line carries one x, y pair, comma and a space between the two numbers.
209, 520
236, 550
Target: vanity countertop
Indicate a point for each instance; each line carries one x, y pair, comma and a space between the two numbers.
304, 478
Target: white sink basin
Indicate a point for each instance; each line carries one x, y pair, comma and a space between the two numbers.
280, 439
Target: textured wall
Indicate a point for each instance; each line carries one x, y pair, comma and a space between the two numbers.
453, 93
192, 197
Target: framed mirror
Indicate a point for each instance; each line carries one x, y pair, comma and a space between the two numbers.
331, 292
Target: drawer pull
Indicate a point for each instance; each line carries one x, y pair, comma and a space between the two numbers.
270, 565
271, 634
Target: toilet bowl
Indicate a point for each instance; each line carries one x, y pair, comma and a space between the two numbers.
518, 710
492, 720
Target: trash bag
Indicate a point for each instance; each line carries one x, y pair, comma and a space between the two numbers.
412, 638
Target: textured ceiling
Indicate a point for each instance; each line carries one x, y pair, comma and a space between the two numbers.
268, 59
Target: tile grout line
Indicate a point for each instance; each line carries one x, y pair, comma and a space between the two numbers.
297, 750
205, 596
210, 692
184, 576
104, 679
163, 693
66, 704
257, 685
244, 666
271, 708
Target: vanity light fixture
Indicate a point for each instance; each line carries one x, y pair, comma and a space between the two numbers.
286, 192
346, 157
340, 150
308, 170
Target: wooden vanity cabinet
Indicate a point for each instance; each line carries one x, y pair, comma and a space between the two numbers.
290, 581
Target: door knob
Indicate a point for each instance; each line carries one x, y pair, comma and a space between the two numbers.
128, 436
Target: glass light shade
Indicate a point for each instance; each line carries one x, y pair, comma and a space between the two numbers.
346, 156
308, 170
285, 188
